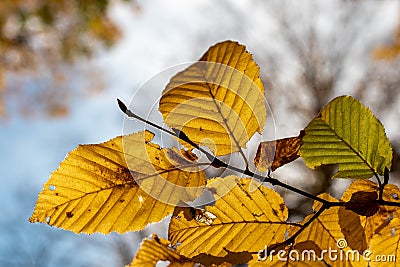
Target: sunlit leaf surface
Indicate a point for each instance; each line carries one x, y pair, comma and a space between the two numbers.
346, 133
219, 101
246, 218
93, 190
158, 249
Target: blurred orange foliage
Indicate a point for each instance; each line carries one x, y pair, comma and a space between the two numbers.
390, 51
41, 38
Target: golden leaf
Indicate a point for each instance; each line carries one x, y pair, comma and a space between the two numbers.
385, 245
352, 229
326, 233
277, 153
246, 217
358, 186
120, 185
158, 249
391, 192
217, 102
373, 223
301, 254
324, 230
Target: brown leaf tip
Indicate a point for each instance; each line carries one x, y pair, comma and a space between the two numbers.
363, 203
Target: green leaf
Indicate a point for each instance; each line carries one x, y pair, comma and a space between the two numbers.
346, 133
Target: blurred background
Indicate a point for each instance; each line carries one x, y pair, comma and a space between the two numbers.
64, 63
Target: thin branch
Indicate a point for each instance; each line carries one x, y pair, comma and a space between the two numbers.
385, 182
276, 182
218, 163
377, 179
179, 134
129, 113
215, 162
290, 241
388, 203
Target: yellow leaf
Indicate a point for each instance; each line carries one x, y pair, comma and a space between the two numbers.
391, 192
385, 245
352, 229
373, 223
325, 230
357, 186
219, 101
246, 217
297, 255
157, 249
277, 153
326, 233
120, 185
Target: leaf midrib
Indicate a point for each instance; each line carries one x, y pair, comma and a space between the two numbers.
112, 187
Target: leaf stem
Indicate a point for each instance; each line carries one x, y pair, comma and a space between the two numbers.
378, 180
217, 163
130, 114
179, 134
388, 203
291, 239
276, 182
385, 182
